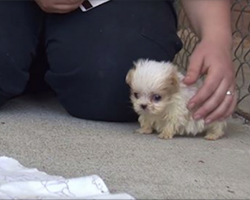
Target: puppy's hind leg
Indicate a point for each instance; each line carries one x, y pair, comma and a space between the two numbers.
215, 130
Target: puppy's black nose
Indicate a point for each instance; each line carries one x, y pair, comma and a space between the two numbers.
143, 106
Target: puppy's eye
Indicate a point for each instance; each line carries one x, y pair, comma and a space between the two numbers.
136, 95
156, 97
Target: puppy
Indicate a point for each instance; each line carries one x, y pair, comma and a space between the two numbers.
160, 99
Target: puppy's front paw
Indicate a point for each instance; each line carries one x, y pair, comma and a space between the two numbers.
144, 131
166, 135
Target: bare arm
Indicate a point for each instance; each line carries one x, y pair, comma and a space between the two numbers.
211, 20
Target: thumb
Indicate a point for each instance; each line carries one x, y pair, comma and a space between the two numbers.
194, 69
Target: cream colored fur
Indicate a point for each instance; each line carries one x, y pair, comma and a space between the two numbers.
168, 116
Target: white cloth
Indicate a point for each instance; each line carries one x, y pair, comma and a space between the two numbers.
19, 182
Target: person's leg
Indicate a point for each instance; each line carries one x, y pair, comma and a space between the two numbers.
20, 24
36, 83
90, 53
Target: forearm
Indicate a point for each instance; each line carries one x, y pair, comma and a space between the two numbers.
210, 19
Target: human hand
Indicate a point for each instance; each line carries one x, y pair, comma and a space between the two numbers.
212, 101
59, 6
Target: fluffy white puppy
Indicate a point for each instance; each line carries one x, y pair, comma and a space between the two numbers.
160, 99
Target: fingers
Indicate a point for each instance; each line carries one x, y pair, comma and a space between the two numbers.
69, 2
224, 108
61, 7
213, 101
65, 8
220, 111
209, 87
231, 108
194, 69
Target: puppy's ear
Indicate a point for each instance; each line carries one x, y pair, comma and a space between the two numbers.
173, 82
129, 76
175, 79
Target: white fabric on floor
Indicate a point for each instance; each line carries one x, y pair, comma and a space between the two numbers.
19, 182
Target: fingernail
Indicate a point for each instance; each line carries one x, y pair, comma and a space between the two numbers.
191, 106
197, 117
208, 121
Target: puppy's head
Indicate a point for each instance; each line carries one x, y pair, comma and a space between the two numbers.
152, 85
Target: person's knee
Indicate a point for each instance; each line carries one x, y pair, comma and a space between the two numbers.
89, 94
21, 23
15, 62
13, 79
101, 110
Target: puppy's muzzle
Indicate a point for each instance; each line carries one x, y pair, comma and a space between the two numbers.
144, 106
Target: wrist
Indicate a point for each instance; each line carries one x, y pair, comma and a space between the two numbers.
224, 40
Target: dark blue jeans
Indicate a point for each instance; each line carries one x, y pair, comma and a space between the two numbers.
85, 56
